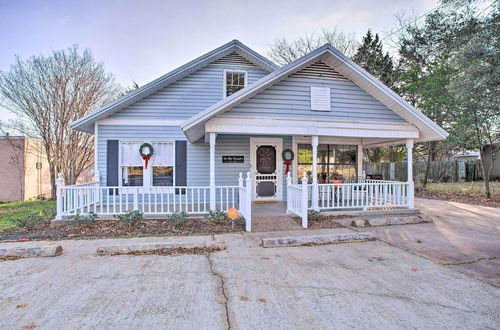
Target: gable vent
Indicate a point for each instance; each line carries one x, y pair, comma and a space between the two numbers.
319, 69
234, 58
320, 98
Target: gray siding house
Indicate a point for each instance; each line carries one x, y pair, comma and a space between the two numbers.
231, 128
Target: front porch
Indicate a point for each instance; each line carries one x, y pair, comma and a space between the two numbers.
356, 194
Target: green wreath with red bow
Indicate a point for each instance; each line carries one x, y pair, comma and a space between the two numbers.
146, 151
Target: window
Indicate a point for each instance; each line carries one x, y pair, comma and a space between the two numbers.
234, 81
132, 176
335, 162
163, 164
131, 165
160, 171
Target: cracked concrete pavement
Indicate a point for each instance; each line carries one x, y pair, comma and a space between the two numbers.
355, 285
463, 237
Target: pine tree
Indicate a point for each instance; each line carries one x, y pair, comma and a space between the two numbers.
371, 57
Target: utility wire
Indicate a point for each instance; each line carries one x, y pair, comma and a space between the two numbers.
413, 21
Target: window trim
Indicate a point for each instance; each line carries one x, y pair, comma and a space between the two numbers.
150, 167
224, 79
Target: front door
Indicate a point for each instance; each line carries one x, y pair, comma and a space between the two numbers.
266, 168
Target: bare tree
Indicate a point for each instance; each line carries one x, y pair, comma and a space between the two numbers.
47, 93
284, 51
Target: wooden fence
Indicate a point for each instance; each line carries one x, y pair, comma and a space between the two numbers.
439, 171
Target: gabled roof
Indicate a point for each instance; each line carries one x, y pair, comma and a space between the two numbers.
86, 123
194, 127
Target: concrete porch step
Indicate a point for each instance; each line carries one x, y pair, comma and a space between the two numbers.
263, 223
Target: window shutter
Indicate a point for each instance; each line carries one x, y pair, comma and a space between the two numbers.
320, 98
112, 163
180, 163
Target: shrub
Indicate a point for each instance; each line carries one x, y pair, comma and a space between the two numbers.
83, 220
30, 221
130, 217
216, 216
313, 215
179, 219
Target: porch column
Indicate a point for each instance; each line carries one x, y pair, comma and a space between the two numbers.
360, 160
212, 137
411, 191
315, 191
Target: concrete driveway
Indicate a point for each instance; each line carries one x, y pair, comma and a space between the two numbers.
464, 237
370, 285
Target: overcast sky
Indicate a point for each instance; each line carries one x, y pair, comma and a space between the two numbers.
139, 40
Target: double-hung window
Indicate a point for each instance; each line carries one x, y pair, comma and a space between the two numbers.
234, 81
131, 165
160, 171
163, 164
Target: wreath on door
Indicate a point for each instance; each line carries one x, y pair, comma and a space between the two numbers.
146, 151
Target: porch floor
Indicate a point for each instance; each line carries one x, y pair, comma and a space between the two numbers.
263, 209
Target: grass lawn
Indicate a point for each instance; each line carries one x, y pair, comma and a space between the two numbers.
462, 188
15, 210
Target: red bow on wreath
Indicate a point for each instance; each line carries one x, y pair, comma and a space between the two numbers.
287, 164
146, 158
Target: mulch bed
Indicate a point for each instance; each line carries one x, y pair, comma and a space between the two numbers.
325, 222
113, 229
473, 199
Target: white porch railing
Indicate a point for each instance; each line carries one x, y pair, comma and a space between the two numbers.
362, 195
298, 199
111, 200
354, 194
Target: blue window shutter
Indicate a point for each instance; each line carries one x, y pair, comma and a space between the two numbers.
180, 163
112, 163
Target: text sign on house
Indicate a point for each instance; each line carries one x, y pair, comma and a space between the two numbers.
233, 159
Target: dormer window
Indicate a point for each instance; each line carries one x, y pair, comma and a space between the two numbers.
234, 81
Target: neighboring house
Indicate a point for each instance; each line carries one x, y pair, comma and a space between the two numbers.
23, 168
232, 111
467, 156
488, 151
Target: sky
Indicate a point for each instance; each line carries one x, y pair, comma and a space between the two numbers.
140, 40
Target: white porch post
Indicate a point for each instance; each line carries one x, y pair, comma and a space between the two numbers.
59, 197
315, 191
212, 171
288, 193
248, 201
411, 188
360, 160
97, 179
303, 202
